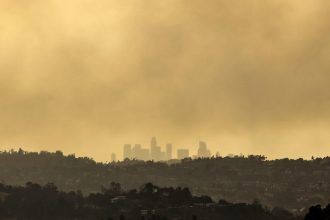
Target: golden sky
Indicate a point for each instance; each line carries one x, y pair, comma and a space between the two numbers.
87, 76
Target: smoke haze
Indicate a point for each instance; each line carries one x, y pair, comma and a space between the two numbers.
87, 76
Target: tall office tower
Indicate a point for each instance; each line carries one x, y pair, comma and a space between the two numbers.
158, 154
127, 152
145, 155
136, 152
203, 152
113, 157
168, 151
153, 142
155, 151
183, 153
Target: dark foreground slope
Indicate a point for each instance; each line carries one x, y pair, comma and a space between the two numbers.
293, 184
149, 202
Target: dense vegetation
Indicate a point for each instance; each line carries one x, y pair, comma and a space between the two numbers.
149, 202
317, 213
292, 184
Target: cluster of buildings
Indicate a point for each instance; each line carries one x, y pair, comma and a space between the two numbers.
155, 152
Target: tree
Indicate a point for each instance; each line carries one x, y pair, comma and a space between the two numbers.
315, 213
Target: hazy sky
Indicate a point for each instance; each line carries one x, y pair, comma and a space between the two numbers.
87, 76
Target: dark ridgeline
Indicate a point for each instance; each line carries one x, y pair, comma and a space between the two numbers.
149, 202
292, 184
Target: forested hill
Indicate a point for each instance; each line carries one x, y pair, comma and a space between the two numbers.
293, 184
149, 202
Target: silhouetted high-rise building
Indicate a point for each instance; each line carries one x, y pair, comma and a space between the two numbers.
140, 153
168, 151
127, 152
136, 151
145, 155
203, 152
155, 150
153, 142
183, 153
158, 154
113, 157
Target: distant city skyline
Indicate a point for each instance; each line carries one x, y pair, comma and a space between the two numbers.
155, 152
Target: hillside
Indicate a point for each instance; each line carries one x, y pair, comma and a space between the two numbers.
293, 184
149, 202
